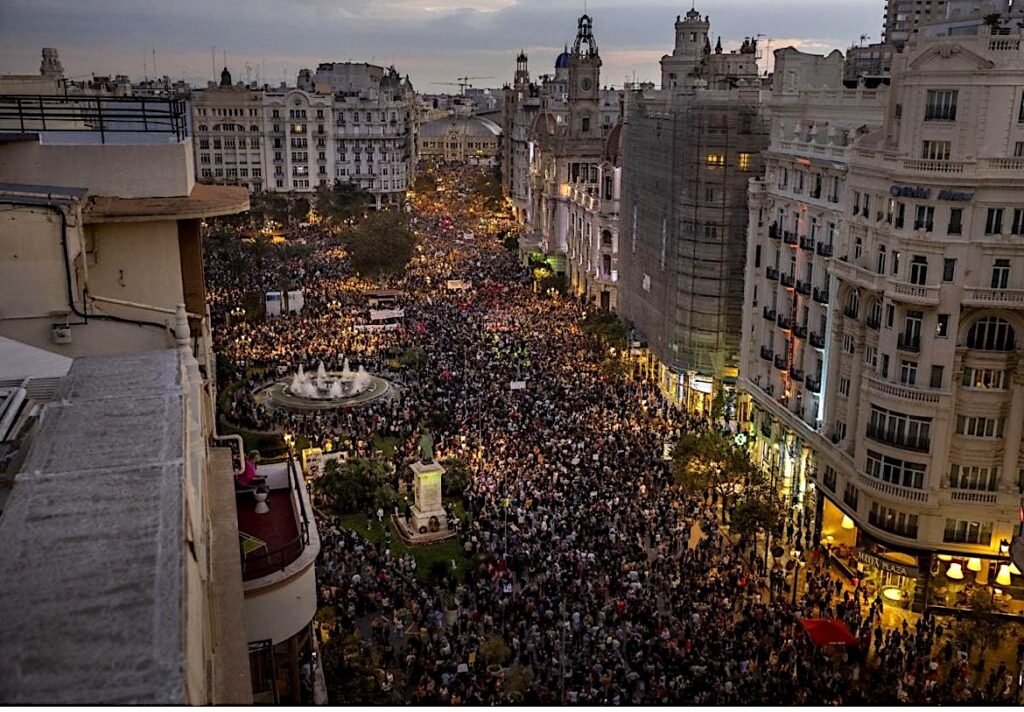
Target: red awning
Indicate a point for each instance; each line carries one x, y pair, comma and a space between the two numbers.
827, 631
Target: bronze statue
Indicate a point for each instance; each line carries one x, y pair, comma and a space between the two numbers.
426, 448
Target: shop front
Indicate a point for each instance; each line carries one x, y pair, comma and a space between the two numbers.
944, 583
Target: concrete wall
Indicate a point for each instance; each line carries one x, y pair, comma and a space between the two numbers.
136, 262
281, 611
32, 279
118, 170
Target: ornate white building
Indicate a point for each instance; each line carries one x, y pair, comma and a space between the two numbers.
903, 400
351, 122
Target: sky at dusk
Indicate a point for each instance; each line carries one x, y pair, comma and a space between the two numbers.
431, 40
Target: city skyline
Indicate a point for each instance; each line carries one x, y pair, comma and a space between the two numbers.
273, 41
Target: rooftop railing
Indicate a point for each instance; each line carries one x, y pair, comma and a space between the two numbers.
27, 113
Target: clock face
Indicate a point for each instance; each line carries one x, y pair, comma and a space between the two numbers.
586, 84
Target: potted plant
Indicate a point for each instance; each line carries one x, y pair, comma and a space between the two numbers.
260, 493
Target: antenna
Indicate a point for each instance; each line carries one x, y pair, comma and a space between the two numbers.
155, 73
213, 60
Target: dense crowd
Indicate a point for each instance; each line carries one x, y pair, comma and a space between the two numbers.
604, 583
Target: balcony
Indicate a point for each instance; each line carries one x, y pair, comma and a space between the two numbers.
790, 238
909, 343
772, 273
816, 340
773, 231
891, 491
803, 288
796, 374
276, 539
807, 243
781, 362
767, 354
813, 384
913, 293
799, 332
1006, 298
787, 280
821, 295
769, 314
824, 250
784, 322
907, 394
897, 439
855, 274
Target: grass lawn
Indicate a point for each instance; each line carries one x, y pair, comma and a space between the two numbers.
425, 555
385, 445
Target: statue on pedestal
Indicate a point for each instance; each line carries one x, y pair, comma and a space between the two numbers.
426, 447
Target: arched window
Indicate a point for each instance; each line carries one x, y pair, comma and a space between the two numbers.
853, 304
991, 334
202, 127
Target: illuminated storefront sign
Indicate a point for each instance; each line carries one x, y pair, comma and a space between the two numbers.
886, 565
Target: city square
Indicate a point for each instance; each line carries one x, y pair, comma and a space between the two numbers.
698, 389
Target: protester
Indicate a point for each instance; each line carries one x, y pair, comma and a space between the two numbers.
600, 577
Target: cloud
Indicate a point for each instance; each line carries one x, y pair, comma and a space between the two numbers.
432, 40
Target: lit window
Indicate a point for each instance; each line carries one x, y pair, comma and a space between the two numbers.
716, 159
744, 162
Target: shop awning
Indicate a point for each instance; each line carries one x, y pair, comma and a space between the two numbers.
828, 631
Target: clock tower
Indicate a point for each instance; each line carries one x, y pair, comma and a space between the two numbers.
584, 83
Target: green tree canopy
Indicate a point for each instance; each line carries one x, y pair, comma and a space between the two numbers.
607, 326
355, 486
341, 201
382, 244
702, 460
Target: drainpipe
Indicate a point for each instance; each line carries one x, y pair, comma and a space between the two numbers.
58, 208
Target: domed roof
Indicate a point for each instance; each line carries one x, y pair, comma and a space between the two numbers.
563, 61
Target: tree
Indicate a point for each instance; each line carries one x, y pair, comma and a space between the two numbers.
456, 476
341, 201
702, 460
349, 673
494, 651
264, 205
354, 486
756, 509
606, 326
553, 282
381, 245
980, 626
298, 209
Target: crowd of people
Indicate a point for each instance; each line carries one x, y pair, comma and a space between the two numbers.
592, 579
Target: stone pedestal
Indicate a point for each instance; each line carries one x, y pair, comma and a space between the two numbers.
427, 491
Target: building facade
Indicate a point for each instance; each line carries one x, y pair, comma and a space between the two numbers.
354, 123
554, 137
472, 140
688, 154
915, 447
101, 262
593, 242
